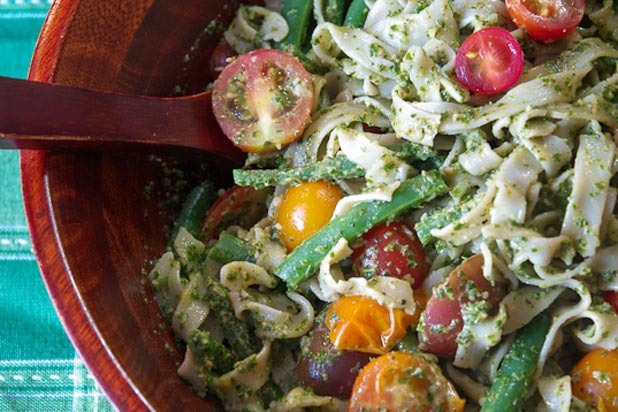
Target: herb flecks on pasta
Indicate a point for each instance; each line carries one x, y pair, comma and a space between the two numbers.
512, 195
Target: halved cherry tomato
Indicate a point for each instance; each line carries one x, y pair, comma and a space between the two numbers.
489, 61
400, 381
325, 369
391, 249
221, 56
262, 100
241, 205
611, 297
595, 379
442, 320
361, 323
304, 209
546, 20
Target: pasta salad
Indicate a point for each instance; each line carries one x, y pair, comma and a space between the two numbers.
426, 218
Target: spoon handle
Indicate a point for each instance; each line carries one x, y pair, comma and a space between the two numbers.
36, 115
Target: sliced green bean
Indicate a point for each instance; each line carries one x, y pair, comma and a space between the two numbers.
298, 14
270, 392
338, 167
409, 343
437, 219
194, 209
517, 369
303, 261
242, 343
334, 12
356, 14
416, 152
230, 248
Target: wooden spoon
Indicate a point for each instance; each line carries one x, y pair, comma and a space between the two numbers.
46, 116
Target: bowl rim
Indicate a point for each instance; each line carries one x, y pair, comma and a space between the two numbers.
42, 227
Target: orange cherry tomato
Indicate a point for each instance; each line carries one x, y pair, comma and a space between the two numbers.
401, 381
262, 100
595, 379
304, 209
362, 324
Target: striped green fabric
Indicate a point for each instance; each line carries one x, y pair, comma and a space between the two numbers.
39, 368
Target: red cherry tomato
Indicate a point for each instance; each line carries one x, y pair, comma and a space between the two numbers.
442, 320
221, 57
595, 379
400, 381
391, 249
326, 370
611, 297
489, 61
546, 20
241, 205
262, 100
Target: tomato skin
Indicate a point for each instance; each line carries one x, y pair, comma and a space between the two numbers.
240, 205
546, 20
391, 249
611, 297
221, 57
361, 323
489, 61
326, 370
595, 379
442, 320
262, 100
304, 209
399, 381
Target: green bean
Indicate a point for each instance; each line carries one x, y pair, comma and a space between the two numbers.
298, 14
356, 14
334, 11
409, 343
303, 261
194, 209
416, 152
230, 248
517, 369
338, 167
437, 219
236, 331
270, 392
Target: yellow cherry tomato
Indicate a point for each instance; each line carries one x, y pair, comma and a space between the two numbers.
595, 379
360, 323
401, 381
304, 209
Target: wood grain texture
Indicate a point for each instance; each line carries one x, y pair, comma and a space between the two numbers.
40, 115
93, 228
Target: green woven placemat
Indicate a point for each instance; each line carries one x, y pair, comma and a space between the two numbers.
39, 368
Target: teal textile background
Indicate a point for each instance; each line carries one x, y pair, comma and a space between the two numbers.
39, 368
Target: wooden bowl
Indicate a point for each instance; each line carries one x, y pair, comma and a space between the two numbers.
97, 220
